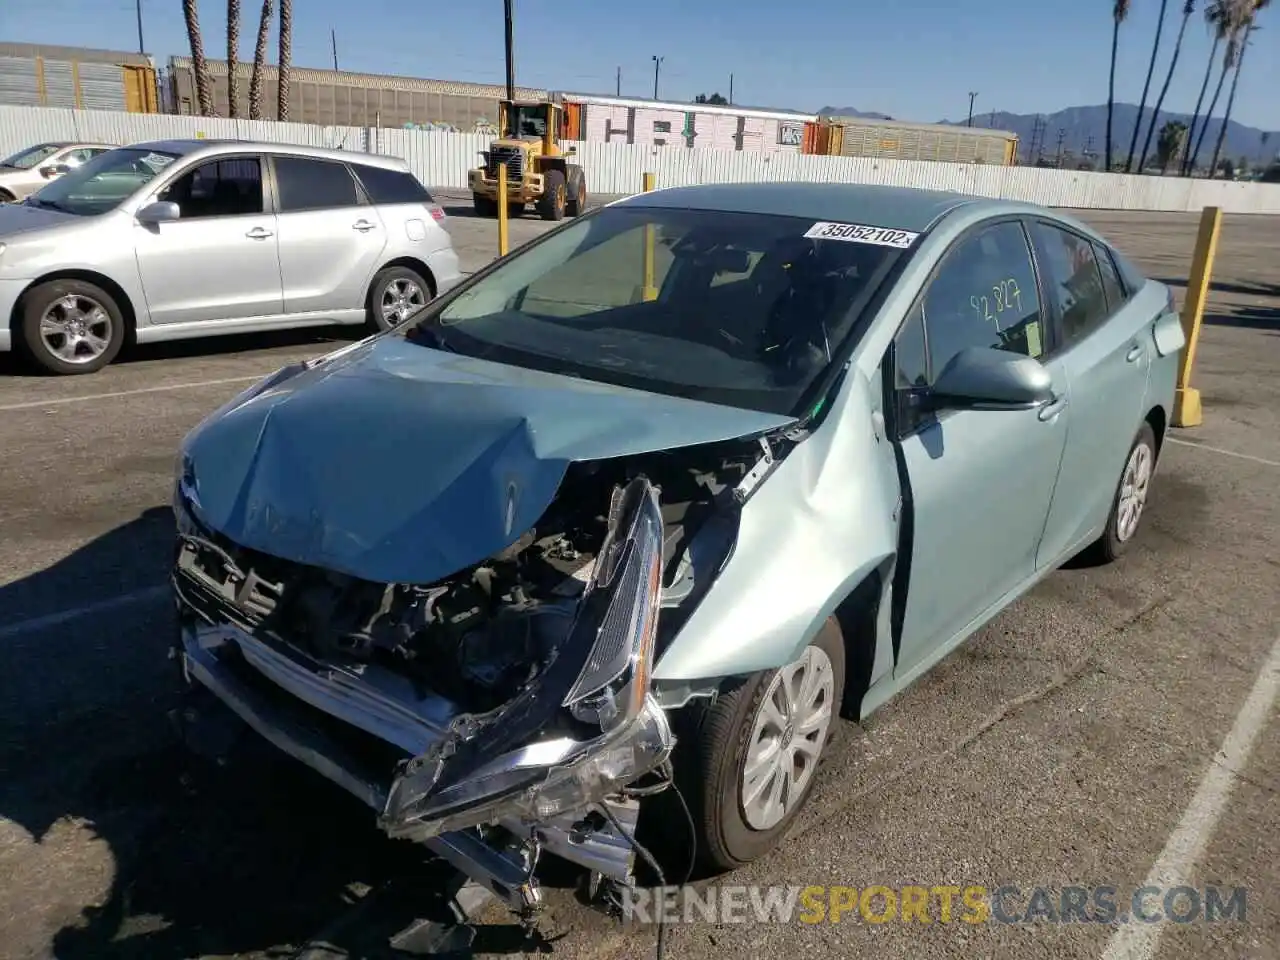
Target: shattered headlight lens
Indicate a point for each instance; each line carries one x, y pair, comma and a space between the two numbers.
622, 601
591, 771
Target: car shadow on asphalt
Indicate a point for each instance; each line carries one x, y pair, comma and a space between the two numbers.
253, 855
1223, 286
1248, 318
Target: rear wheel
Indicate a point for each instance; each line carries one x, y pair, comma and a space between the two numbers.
576, 204
551, 205
395, 294
1130, 500
70, 327
515, 210
484, 206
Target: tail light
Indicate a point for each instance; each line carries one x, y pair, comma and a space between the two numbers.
436, 211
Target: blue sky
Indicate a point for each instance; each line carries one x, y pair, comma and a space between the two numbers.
916, 60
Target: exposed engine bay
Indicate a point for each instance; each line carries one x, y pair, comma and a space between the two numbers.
479, 636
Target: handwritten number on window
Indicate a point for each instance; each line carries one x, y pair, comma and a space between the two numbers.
1005, 295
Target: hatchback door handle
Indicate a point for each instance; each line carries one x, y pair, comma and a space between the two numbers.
259, 233
363, 226
1053, 407
1135, 353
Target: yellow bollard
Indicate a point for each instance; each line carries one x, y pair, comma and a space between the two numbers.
1186, 401
648, 290
503, 239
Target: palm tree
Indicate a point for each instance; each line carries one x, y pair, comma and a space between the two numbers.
1169, 143
286, 44
259, 62
1119, 13
199, 67
1231, 55
233, 54
1188, 8
1146, 88
1250, 14
1215, 14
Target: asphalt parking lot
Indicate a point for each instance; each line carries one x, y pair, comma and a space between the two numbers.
1077, 741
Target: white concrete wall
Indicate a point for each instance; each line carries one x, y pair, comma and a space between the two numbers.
442, 160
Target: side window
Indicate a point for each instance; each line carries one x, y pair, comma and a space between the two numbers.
391, 186
1073, 281
218, 188
983, 295
1112, 284
910, 357
306, 184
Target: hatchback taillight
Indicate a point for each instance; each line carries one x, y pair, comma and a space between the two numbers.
436, 211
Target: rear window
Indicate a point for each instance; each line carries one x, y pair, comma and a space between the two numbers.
391, 186
1130, 275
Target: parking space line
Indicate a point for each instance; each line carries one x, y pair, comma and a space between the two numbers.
1137, 941
36, 624
63, 401
1226, 453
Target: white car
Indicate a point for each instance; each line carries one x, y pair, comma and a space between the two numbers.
28, 170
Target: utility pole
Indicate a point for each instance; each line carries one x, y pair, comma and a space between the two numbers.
1062, 135
511, 56
333, 42
991, 123
973, 95
657, 62
618, 85
1088, 146
731, 88
137, 6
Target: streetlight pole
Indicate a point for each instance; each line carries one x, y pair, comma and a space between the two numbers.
657, 62
973, 95
510, 43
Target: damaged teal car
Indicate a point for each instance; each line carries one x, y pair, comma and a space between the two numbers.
651, 503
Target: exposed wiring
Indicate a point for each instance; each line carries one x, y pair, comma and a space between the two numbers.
648, 858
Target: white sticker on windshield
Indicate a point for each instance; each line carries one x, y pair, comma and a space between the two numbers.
157, 161
857, 233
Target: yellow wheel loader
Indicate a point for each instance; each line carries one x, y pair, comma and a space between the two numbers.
538, 170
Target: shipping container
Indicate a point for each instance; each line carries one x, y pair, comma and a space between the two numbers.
36, 75
894, 139
661, 123
340, 98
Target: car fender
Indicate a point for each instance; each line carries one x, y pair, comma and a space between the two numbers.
823, 521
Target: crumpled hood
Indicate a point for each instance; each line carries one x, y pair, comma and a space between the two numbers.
399, 463
18, 218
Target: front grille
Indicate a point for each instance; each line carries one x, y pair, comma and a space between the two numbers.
514, 159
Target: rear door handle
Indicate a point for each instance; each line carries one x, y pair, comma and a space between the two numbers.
363, 226
1053, 407
259, 233
1134, 354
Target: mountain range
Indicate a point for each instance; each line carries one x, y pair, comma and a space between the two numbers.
1084, 130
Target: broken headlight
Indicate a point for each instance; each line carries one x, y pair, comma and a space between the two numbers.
493, 773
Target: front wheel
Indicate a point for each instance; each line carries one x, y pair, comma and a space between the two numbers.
551, 205
70, 326
752, 761
576, 205
484, 206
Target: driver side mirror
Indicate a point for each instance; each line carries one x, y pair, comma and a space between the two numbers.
985, 378
161, 211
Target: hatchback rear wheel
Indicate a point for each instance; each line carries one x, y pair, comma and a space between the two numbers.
395, 294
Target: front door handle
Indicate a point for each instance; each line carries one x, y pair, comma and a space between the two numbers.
1134, 354
364, 226
1053, 407
259, 233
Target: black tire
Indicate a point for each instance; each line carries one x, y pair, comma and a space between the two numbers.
385, 283
89, 329
6, 196
711, 762
1116, 539
484, 206
515, 210
576, 202
551, 205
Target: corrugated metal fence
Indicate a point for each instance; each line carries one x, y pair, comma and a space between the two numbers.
442, 160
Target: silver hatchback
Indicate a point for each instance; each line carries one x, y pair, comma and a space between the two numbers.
188, 238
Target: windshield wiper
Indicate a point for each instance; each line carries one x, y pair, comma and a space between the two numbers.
433, 338
47, 204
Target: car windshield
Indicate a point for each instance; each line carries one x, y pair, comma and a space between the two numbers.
100, 184
28, 158
738, 309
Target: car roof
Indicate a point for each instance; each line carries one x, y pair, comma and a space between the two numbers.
213, 148
902, 208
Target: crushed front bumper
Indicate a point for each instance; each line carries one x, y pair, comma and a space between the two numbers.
501, 856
